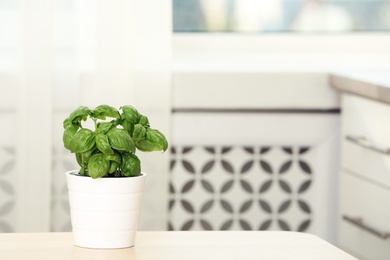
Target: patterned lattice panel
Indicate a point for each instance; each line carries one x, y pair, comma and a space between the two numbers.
63, 161
241, 188
7, 189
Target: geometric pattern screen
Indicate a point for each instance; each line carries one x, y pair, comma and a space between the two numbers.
241, 188
8, 191
63, 161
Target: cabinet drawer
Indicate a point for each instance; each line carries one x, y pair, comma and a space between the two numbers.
366, 138
368, 237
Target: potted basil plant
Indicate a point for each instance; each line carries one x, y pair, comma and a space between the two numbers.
105, 193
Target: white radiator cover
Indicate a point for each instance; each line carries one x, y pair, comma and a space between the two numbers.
254, 151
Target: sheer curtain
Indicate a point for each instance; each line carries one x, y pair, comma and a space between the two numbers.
56, 55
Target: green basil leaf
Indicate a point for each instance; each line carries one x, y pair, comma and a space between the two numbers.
69, 132
82, 141
120, 140
82, 171
104, 111
154, 141
130, 113
103, 145
116, 122
139, 132
128, 126
131, 165
81, 113
103, 127
113, 157
67, 122
79, 159
113, 167
91, 151
146, 146
98, 166
143, 120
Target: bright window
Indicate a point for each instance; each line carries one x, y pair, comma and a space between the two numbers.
281, 15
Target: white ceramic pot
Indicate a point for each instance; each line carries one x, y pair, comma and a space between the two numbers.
105, 211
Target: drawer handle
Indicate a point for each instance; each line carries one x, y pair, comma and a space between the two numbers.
362, 141
359, 222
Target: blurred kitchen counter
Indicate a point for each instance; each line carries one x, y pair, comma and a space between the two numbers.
370, 84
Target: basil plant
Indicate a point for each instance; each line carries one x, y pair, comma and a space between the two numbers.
109, 150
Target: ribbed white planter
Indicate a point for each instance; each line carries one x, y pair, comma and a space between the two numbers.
105, 211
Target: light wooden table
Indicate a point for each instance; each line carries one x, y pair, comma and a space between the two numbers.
172, 245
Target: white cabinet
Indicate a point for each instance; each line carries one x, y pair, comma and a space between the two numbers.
364, 219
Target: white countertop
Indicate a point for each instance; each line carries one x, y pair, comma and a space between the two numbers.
172, 245
374, 84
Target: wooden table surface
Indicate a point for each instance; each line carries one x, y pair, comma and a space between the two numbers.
183, 245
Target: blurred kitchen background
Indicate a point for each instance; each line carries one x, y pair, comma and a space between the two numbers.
240, 87
280, 15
